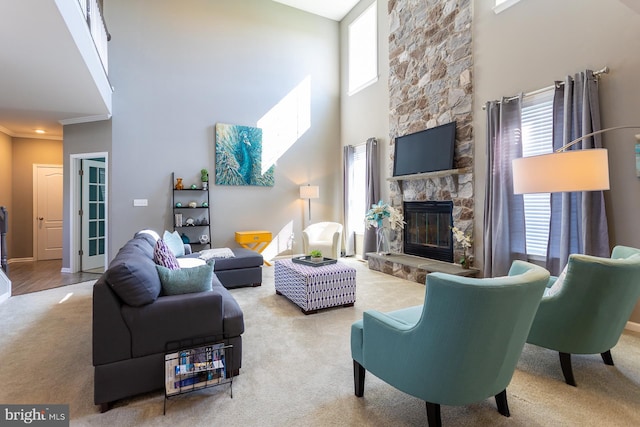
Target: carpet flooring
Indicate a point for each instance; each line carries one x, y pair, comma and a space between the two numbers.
297, 370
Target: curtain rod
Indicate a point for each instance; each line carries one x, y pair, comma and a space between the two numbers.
604, 70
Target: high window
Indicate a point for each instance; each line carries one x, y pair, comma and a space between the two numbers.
363, 50
503, 4
537, 133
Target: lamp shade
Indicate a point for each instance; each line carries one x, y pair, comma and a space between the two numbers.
574, 170
309, 191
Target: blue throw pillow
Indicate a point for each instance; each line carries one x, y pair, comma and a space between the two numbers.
175, 243
185, 280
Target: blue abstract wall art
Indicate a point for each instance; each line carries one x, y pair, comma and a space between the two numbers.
239, 156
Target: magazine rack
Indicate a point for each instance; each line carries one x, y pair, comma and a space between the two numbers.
195, 368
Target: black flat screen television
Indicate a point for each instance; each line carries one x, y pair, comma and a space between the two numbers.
429, 150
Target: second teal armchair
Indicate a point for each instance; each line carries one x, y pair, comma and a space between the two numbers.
589, 312
461, 346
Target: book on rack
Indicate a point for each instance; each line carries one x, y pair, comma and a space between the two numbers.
193, 368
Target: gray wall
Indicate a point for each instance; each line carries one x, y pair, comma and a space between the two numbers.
366, 113
178, 68
82, 138
533, 43
6, 173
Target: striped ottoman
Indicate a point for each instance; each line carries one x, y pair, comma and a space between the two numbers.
314, 288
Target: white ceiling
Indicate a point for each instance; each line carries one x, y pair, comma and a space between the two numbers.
332, 9
44, 78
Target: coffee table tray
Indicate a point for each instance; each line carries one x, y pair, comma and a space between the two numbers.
306, 260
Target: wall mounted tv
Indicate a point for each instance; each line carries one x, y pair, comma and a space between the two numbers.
429, 150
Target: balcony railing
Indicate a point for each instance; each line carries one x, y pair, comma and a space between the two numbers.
92, 10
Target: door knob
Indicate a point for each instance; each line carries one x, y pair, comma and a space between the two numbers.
41, 218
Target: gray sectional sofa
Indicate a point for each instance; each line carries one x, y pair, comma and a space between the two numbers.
134, 323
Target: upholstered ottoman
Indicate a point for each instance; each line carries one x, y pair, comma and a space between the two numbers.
243, 269
313, 288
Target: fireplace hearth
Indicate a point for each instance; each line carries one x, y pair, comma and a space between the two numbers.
427, 232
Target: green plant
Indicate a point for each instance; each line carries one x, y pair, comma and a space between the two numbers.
204, 175
316, 254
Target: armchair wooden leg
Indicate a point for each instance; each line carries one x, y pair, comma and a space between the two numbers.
606, 357
358, 378
565, 364
501, 402
104, 407
433, 415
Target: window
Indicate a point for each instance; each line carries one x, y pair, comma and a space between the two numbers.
537, 133
503, 4
363, 50
357, 182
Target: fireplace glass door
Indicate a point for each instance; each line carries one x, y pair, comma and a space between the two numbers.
428, 230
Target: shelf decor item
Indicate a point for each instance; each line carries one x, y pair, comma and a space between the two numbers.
193, 205
179, 184
204, 177
178, 220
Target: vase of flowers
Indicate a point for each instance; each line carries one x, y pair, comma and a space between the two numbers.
464, 241
379, 214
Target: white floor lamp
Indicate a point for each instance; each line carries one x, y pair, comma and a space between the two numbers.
309, 192
574, 170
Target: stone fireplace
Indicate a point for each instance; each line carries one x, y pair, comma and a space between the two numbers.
430, 84
427, 232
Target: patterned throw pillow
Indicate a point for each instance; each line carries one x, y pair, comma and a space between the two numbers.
163, 256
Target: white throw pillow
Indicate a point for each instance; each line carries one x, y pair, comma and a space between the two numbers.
190, 262
555, 288
151, 233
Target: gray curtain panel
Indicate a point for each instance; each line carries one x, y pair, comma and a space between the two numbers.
504, 226
372, 190
347, 170
578, 219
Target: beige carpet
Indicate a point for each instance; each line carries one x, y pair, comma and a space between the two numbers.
297, 370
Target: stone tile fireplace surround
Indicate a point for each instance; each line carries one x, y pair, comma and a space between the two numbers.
430, 84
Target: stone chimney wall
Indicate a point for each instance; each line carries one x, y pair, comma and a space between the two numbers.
430, 84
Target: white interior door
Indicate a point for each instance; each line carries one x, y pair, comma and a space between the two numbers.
48, 212
93, 214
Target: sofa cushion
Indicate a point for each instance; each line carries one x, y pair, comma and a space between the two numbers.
175, 243
185, 280
133, 277
243, 258
163, 256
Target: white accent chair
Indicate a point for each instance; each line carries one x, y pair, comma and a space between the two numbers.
323, 236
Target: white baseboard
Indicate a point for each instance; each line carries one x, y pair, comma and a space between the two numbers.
632, 326
12, 260
65, 270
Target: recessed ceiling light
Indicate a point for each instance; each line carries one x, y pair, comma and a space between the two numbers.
40, 131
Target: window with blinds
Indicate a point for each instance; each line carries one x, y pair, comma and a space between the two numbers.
537, 133
357, 182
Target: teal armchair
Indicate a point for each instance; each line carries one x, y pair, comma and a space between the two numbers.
461, 346
589, 312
